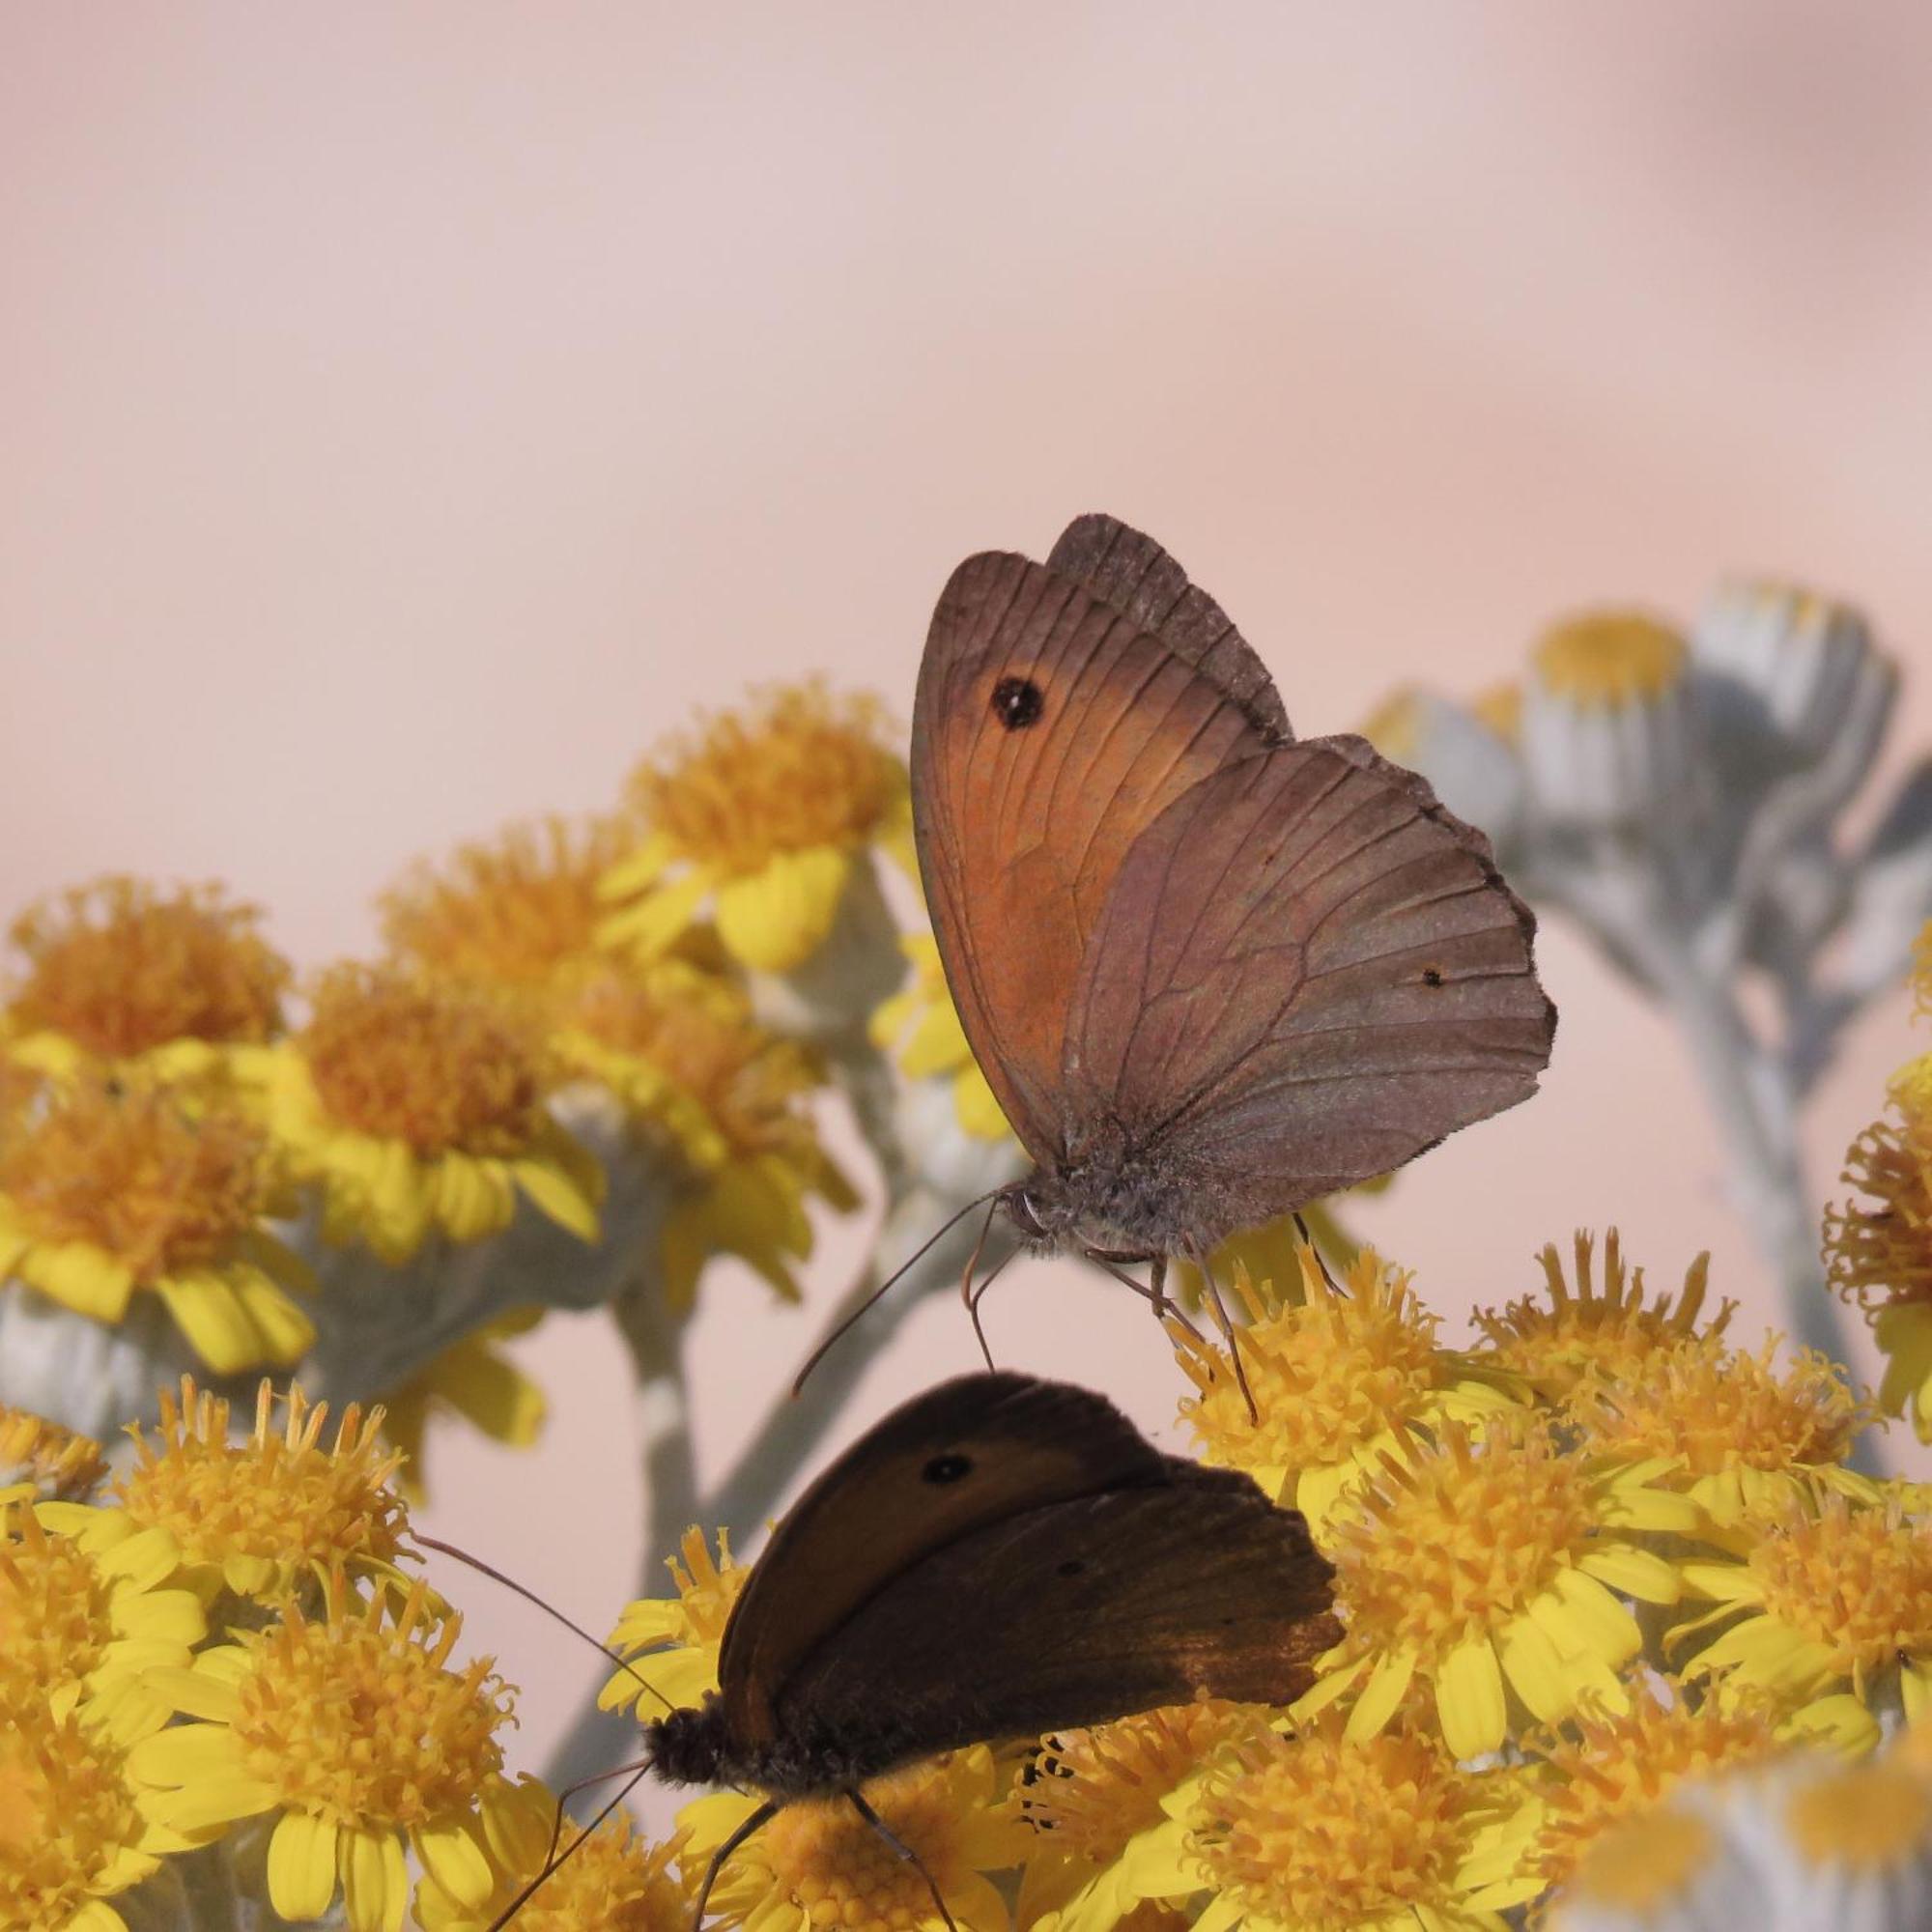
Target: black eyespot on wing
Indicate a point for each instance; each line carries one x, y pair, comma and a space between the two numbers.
1072, 1566
1432, 975
945, 1470
1017, 702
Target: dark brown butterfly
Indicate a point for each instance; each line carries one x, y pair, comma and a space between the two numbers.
1212, 971
1000, 1558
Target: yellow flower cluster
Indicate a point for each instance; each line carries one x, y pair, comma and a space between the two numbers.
561, 1012
1585, 1561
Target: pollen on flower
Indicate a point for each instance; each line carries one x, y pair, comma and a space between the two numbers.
430, 1063
133, 1170
801, 770
1095, 1789
357, 1717
50, 1461
1611, 658
1315, 1831
1868, 1817
513, 913
1711, 1410
279, 1502
1449, 1545
1879, 1250
1610, 1766
70, 1830
120, 968
1608, 1328
1328, 1370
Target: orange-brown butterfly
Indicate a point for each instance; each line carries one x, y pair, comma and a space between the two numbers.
1212, 972
1001, 1557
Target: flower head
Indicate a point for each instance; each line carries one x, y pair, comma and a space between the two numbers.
516, 913
762, 817
114, 1187
722, 1103
1608, 1766
83, 1615
1737, 1426
1322, 1832
72, 1834
261, 1513
1586, 1327
1335, 1373
117, 971
679, 1640
420, 1104
355, 1730
616, 1881
1092, 1796
41, 1459
1481, 1566
1834, 1596
819, 1862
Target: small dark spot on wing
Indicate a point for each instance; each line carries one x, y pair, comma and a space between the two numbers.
944, 1470
1432, 975
1017, 702
1072, 1566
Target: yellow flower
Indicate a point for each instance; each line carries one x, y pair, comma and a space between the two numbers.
1834, 1596
678, 1640
1488, 1566
1336, 1373
920, 1026
119, 1186
72, 1831
1325, 1832
481, 1385
763, 819
1878, 1252
723, 1102
420, 1105
354, 1732
1616, 1765
817, 1863
1738, 1430
517, 913
118, 972
41, 1459
83, 1614
260, 1514
1611, 658
1610, 1329
1092, 1796
616, 1881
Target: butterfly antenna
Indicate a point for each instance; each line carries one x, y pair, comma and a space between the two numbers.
552, 1866
878, 1295
904, 1853
529, 1596
759, 1818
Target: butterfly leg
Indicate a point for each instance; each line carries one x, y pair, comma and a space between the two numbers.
1156, 1296
968, 1299
759, 1818
978, 1295
554, 1859
905, 1851
1225, 1322
1320, 1260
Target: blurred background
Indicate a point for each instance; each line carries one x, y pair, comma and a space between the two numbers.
410, 415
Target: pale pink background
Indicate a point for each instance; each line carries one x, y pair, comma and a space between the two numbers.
407, 413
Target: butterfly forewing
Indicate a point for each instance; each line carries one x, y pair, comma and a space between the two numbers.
1307, 972
1048, 730
1073, 1615
963, 1454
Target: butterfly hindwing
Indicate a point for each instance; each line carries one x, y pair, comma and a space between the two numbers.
1307, 972
965, 1454
1072, 1614
1049, 729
